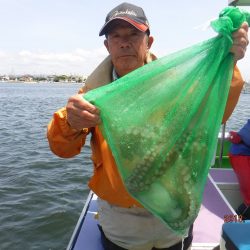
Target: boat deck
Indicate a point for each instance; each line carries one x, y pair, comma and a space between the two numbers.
207, 227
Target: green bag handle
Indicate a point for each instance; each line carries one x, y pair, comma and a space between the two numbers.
230, 19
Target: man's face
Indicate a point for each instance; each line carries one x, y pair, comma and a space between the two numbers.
127, 46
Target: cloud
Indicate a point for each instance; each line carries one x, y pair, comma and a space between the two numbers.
79, 61
2, 54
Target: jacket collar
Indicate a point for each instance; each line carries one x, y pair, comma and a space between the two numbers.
102, 75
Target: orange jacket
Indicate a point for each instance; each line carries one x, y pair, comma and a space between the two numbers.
67, 142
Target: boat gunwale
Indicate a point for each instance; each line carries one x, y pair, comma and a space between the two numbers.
80, 222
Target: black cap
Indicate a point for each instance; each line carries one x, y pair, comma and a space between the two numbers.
129, 13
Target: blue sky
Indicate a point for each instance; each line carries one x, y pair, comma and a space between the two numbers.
61, 36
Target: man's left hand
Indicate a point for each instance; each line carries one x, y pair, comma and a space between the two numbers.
240, 42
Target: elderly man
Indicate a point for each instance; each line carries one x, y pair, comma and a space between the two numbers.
124, 223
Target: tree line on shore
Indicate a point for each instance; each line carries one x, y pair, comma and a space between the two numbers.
65, 78
43, 78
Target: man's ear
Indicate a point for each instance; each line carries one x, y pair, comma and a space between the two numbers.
150, 41
106, 44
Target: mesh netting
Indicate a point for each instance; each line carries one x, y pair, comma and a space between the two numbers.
161, 122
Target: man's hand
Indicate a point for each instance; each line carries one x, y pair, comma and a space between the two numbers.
81, 113
240, 42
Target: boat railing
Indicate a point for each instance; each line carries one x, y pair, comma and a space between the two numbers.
78, 227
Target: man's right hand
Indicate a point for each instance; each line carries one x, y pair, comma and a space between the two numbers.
81, 113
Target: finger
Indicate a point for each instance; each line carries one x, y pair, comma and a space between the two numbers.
241, 42
243, 29
242, 33
245, 26
238, 51
78, 103
81, 114
240, 38
90, 117
83, 119
89, 107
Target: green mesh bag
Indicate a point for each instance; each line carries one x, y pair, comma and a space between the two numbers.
161, 122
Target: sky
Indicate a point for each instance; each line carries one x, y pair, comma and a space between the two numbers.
61, 36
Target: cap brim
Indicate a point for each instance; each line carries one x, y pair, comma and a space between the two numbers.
140, 26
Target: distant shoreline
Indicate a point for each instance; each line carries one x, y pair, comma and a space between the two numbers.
45, 82
245, 90
43, 79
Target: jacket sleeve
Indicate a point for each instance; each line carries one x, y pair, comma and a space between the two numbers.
65, 141
234, 93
